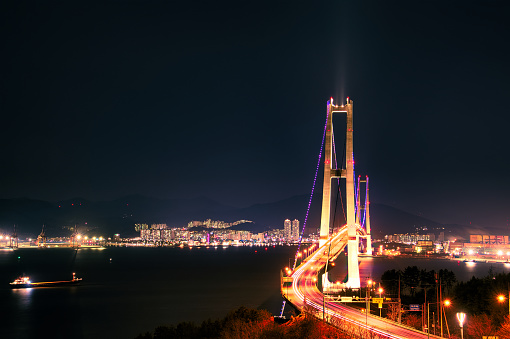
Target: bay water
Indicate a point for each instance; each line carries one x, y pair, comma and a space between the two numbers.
127, 291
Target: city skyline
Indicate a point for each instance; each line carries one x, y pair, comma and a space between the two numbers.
103, 101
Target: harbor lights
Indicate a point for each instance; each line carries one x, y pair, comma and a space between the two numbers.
461, 317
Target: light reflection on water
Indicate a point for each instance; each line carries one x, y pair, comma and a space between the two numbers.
24, 298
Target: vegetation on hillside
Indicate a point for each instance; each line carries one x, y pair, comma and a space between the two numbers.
478, 298
248, 323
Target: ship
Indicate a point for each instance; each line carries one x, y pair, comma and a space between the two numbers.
24, 282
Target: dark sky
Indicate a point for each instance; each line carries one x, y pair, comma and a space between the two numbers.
227, 99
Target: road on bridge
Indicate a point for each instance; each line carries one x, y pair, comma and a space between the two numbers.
304, 294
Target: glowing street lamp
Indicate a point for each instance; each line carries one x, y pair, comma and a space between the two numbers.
367, 309
461, 317
380, 290
502, 298
446, 303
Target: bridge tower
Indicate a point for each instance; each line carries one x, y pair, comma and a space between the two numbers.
347, 174
367, 220
366, 207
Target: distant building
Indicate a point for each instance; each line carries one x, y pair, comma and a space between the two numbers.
409, 238
488, 239
295, 230
287, 229
441, 237
139, 227
158, 233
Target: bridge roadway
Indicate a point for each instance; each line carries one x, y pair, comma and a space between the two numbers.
304, 291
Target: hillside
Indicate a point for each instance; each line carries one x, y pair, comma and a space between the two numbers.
120, 215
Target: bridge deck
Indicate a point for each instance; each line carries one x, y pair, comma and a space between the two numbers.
304, 295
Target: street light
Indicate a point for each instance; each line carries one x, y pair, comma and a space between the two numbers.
502, 298
446, 303
380, 290
461, 317
369, 285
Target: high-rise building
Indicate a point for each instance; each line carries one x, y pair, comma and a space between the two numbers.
287, 230
295, 230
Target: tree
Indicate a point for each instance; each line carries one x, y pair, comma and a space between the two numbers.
389, 281
504, 330
392, 312
411, 278
480, 325
412, 320
147, 335
448, 278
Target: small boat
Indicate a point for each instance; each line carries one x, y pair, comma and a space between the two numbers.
24, 282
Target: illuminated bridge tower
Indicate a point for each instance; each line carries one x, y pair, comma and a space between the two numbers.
367, 222
347, 174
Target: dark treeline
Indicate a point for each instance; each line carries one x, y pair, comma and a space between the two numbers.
478, 298
415, 283
247, 323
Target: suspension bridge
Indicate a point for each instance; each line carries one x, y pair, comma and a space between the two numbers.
301, 285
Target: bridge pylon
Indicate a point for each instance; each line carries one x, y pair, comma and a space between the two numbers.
346, 173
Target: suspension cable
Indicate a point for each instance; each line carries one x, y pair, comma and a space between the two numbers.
313, 189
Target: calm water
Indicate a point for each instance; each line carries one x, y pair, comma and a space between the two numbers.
141, 288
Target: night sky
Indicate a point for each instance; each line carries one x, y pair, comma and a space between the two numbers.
227, 100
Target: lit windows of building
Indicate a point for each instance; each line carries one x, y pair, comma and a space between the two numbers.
287, 229
295, 230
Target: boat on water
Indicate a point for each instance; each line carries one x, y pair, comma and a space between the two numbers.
24, 282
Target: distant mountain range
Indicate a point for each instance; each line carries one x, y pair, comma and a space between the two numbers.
119, 216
